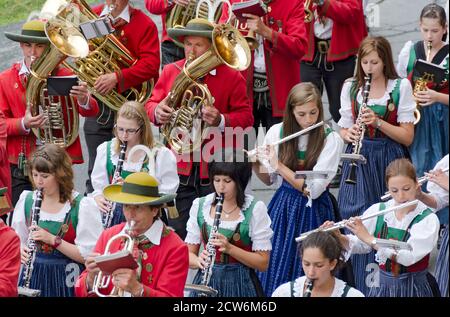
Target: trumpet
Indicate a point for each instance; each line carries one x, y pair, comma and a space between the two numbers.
341, 224
101, 281
421, 180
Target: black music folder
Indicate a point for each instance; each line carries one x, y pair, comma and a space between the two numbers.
438, 73
61, 85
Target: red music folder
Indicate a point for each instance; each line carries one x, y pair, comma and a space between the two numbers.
255, 7
120, 260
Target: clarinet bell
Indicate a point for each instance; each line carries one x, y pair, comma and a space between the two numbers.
351, 179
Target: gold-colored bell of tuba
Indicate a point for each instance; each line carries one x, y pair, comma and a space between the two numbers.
185, 132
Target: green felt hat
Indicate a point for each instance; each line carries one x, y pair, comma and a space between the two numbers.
195, 27
32, 32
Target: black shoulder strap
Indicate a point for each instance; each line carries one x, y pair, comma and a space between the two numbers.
420, 50
292, 288
439, 57
346, 290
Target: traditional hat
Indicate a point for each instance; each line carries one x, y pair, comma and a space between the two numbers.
32, 32
195, 27
137, 189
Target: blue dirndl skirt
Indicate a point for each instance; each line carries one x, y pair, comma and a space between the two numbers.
290, 217
54, 274
442, 265
231, 280
404, 285
118, 216
353, 200
430, 138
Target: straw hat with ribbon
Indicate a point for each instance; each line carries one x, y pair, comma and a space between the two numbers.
137, 189
195, 27
32, 32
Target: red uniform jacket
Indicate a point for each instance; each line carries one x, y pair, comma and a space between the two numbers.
140, 36
349, 29
9, 261
283, 54
12, 103
5, 173
160, 7
227, 87
164, 270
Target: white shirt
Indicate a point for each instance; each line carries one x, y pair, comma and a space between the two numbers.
125, 14
88, 229
284, 290
153, 233
405, 110
440, 194
259, 224
165, 169
328, 159
260, 62
403, 59
423, 235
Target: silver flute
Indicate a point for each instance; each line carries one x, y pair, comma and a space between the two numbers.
207, 271
32, 249
421, 180
108, 216
341, 224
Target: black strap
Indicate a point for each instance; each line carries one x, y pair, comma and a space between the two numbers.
292, 288
419, 48
439, 57
346, 290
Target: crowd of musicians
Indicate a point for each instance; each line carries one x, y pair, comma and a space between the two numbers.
156, 208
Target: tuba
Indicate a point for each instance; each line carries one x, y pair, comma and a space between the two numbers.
421, 84
61, 127
188, 97
106, 55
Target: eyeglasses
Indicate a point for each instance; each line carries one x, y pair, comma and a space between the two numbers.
127, 131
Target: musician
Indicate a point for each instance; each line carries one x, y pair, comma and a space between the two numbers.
431, 132
163, 257
133, 127
138, 33
243, 239
297, 205
9, 261
5, 173
170, 52
69, 224
19, 121
437, 199
335, 32
388, 118
322, 255
231, 108
402, 273
275, 68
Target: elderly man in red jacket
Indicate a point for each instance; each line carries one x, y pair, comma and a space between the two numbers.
19, 121
275, 70
138, 33
334, 33
5, 174
231, 109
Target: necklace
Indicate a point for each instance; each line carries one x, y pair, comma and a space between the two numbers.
228, 213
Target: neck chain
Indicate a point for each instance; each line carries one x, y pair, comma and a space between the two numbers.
228, 213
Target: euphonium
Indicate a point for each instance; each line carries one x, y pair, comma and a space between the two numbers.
308, 12
101, 281
106, 55
55, 108
421, 84
188, 97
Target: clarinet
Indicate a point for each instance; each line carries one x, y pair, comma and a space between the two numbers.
108, 216
32, 249
362, 130
309, 287
207, 271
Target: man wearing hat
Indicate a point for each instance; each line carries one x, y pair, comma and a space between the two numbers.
139, 34
231, 108
19, 121
163, 257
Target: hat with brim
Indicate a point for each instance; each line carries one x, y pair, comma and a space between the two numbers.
137, 189
32, 32
195, 27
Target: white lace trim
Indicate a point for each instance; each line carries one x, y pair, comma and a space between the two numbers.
299, 284
130, 166
60, 215
379, 101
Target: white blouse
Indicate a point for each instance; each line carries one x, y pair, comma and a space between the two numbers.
165, 169
88, 229
440, 194
403, 59
259, 224
405, 110
328, 159
284, 290
423, 235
